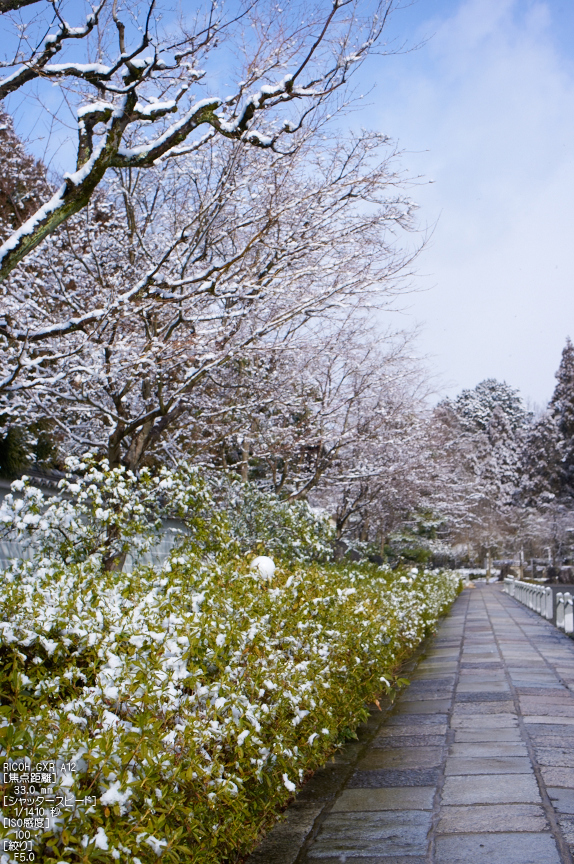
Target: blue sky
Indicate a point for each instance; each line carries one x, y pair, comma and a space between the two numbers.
486, 110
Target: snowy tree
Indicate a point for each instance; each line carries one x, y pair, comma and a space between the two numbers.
334, 418
541, 462
501, 461
23, 181
182, 294
381, 480
562, 411
165, 279
479, 441
476, 407
548, 453
547, 487
367, 465
324, 390
139, 86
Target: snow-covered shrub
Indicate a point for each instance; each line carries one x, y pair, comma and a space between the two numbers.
193, 699
109, 513
261, 521
102, 513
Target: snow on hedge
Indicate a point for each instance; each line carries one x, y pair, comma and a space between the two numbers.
193, 700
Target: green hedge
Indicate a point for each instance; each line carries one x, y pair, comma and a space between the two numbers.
195, 699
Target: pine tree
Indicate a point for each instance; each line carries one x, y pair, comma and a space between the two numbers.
476, 407
562, 410
547, 487
479, 437
541, 463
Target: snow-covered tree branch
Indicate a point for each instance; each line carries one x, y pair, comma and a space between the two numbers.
183, 267
142, 90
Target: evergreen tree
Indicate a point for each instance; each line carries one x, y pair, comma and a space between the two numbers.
479, 438
547, 483
562, 410
541, 463
476, 407
502, 463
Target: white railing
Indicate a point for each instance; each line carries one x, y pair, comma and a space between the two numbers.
540, 598
565, 611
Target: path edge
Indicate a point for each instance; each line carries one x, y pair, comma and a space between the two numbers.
287, 841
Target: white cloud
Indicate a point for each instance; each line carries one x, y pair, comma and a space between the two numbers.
486, 109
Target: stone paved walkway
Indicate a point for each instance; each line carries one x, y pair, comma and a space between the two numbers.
475, 765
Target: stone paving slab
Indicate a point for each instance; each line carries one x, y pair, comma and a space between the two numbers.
355, 835
556, 757
488, 765
488, 685
495, 747
481, 707
390, 777
399, 730
562, 799
505, 734
400, 741
423, 706
406, 718
474, 764
492, 818
510, 848
557, 777
491, 789
365, 800
406, 757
